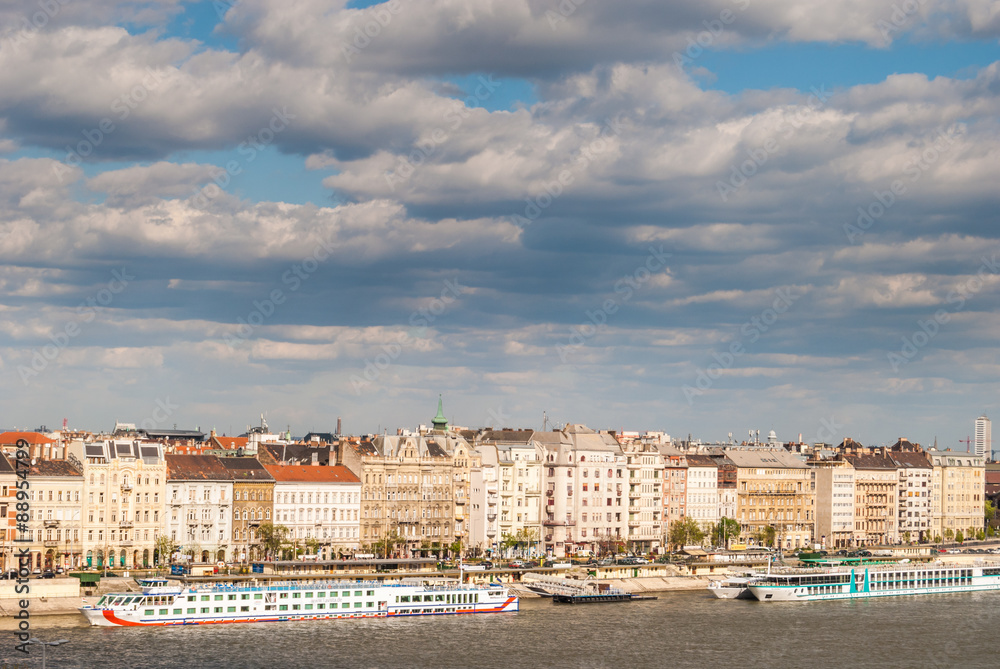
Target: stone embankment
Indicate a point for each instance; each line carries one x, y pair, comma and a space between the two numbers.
58, 596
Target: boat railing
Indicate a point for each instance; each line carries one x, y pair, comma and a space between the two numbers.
327, 585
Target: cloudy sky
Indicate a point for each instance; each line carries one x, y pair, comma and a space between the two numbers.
694, 217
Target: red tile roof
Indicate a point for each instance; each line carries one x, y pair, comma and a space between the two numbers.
311, 474
231, 443
10, 438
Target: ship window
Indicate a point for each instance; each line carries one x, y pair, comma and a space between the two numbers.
370, 604
258, 596
321, 594
245, 608
296, 595
218, 609
428, 598
205, 598
309, 595
191, 610
177, 612
309, 607
283, 607
438, 598
321, 605
269, 607
371, 593
218, 598
204, 609
231, 597
357, 594
404, 598
230, 609
148, 612
245, 596
163, 612
296, 607
357, 605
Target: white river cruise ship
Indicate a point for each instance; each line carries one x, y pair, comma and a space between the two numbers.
875, 581
253, 601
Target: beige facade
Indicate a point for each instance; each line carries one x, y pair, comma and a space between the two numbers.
645, 496
124, 485
519, 462
253, 504
834, 503
876, 501
415, 489
774, 489
54, 528
958, 482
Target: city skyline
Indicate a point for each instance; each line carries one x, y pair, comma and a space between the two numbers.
652, 216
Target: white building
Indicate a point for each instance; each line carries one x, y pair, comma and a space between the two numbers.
703, 490
984, 438
586, 501
519, 462
645, 496
320, 503
199, 506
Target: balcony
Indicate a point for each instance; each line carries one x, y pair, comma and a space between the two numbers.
125, 524
125, 543
50, 523
126, 485
532, 492
491, 517
558, 523
50, 543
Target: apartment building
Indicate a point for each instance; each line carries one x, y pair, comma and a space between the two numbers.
774, 489
958, 484
56, 487
703, 490
199, 502
253, 504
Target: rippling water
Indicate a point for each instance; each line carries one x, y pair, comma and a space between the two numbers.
679, 630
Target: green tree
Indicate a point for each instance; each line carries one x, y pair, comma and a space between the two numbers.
724, 531
312, 543
766, 535
949, 534
272, 537
990, 512
165, 547
684, 532
959, 537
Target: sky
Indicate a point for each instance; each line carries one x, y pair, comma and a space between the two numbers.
701, 218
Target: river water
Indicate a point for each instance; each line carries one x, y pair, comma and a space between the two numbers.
679, 630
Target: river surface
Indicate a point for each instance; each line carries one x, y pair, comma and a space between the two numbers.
679, 630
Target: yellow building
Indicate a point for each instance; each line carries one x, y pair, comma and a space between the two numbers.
958, 488
774, 488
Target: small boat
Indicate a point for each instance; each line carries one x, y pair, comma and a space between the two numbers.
603, 593
734, 587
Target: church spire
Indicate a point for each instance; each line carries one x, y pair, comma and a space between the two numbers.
439, 421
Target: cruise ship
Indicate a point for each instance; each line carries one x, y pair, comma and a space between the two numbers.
253, 601
875, 581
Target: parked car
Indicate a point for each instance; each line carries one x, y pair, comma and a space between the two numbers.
517, 564
488, 564
48, 573
10, 574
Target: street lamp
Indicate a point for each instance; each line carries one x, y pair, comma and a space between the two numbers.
43, 644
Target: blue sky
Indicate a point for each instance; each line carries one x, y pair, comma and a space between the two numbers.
337, 209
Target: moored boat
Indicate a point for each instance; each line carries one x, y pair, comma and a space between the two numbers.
164, 603
734, 587
875, 581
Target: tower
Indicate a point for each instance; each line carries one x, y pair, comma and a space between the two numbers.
439, 421
983, 440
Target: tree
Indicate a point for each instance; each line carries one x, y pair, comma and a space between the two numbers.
959, 537
949, 534
165, 547
685, 531
906, 537
272, 537
724, 531
312, 543
990, 512
766, 535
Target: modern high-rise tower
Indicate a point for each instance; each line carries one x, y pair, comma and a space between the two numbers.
984, 441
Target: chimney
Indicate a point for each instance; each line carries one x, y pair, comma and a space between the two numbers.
338, 426
315, 458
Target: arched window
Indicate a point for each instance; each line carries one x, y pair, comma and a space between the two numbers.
102, 479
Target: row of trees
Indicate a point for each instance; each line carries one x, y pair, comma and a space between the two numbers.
687, 532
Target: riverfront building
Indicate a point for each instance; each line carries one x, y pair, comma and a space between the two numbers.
520, 487
957, 492
585, 482
253, 504
54, 528
774, 488
199, 499
123, 507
